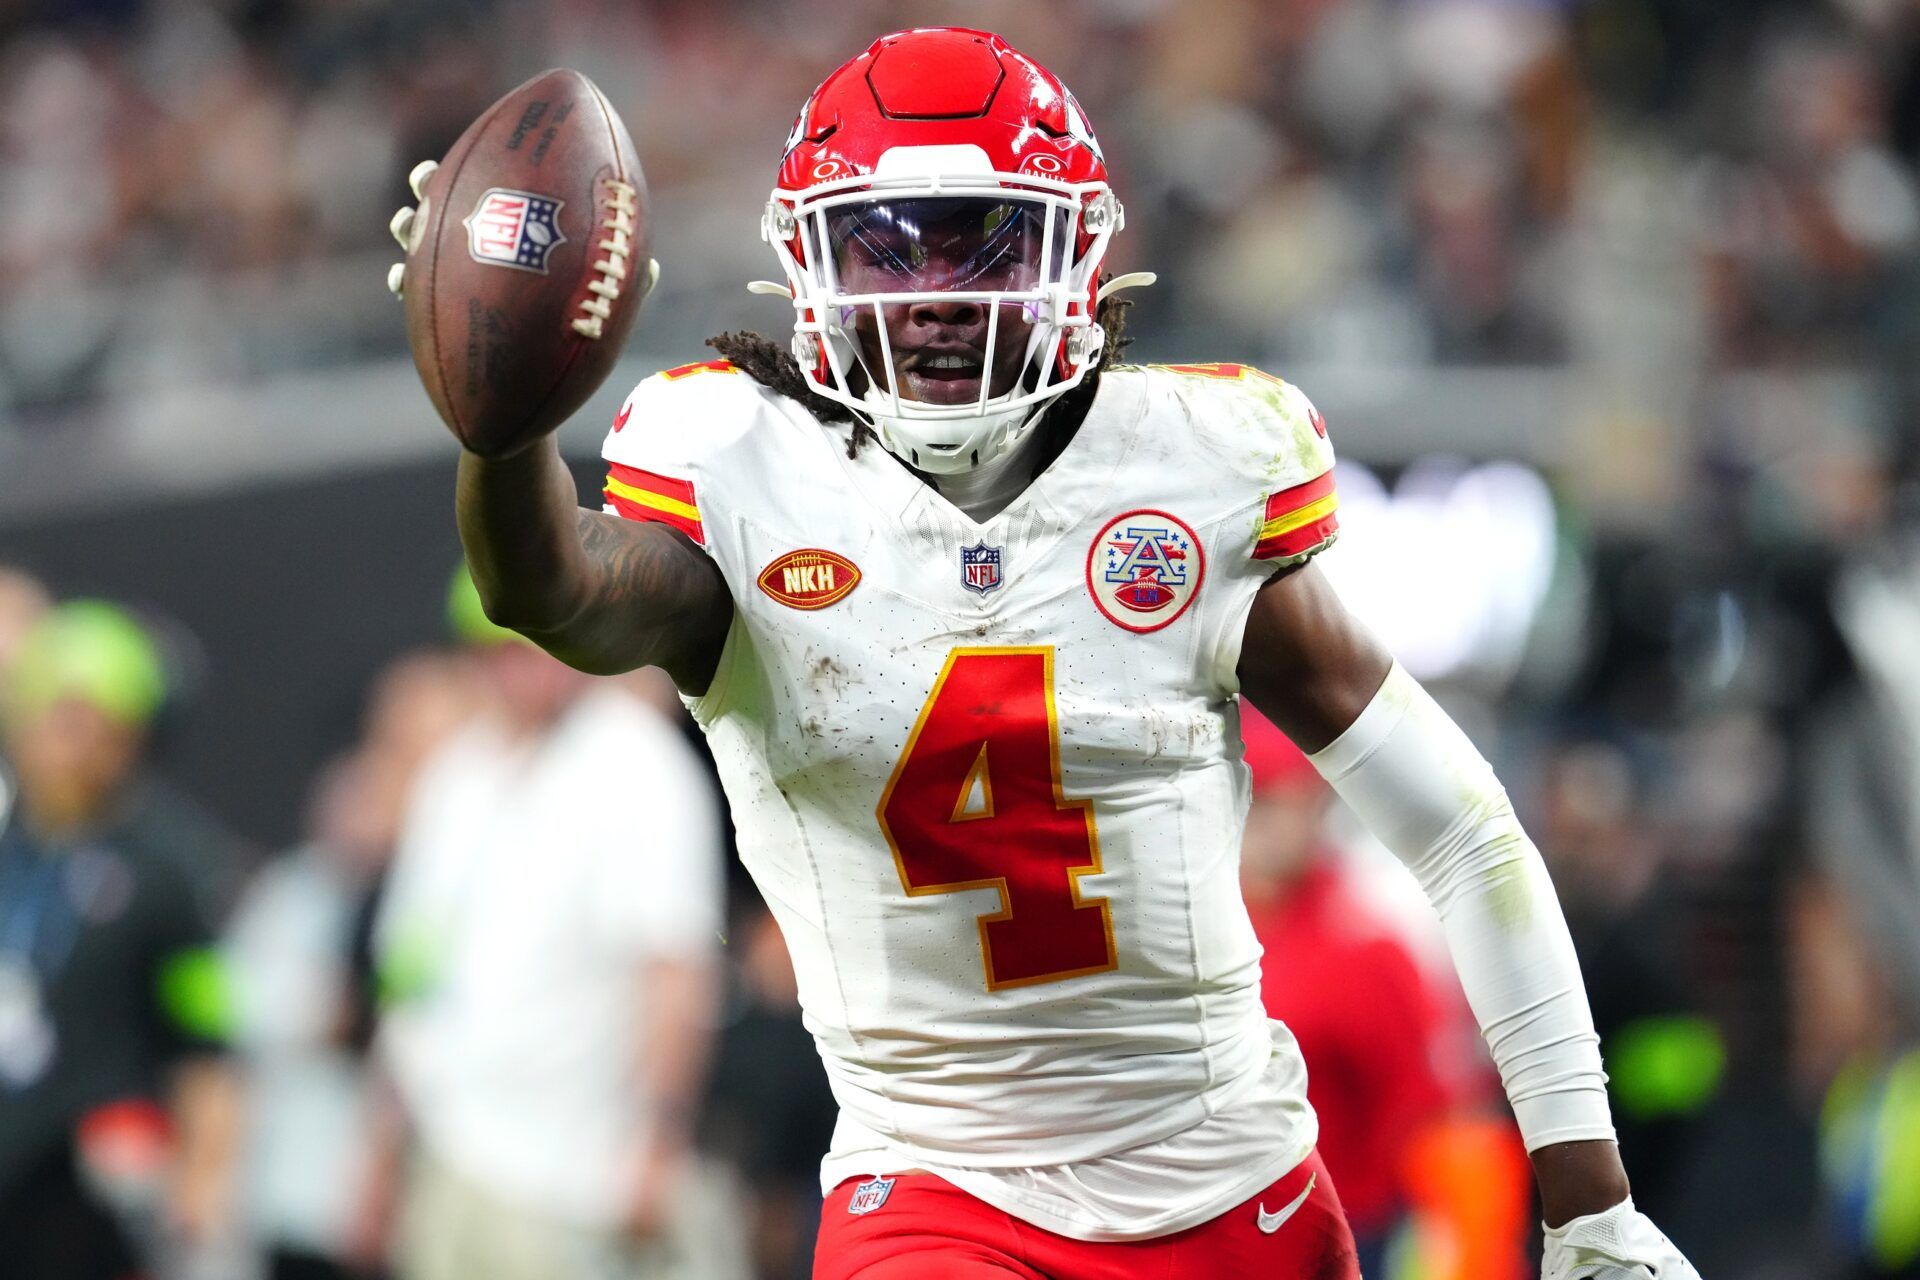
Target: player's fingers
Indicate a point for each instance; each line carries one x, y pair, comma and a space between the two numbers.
418, 178
397, 279
653, 275
402, 226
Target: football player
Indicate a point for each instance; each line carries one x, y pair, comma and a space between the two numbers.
963, 606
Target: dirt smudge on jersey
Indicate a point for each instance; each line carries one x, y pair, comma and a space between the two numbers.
826, 675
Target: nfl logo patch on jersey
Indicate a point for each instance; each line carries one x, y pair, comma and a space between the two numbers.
1144, 569
870, 1195
514, 229
980, 568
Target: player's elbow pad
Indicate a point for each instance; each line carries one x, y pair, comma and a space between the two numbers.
1420, 786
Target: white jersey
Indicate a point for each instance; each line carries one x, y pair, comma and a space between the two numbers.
521, 920
987, 775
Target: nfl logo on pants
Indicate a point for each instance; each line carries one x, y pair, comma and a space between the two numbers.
980, 568
870, 1195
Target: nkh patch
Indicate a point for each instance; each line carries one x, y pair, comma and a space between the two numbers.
810, 578
870, 1195
1144, 568
980, 568
515, 229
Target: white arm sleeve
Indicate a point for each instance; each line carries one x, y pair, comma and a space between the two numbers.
1420, 786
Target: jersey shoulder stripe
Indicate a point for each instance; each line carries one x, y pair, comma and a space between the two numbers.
647, 495
698, 366
675, 430
1276, 457
1299, 521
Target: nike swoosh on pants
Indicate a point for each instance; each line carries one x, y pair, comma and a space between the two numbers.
1272, 1222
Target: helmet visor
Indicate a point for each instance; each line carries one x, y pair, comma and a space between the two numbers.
946, 244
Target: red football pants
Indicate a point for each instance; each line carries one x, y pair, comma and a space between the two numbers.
929, 1229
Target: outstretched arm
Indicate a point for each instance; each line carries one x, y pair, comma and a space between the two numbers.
1420, 786
602, 594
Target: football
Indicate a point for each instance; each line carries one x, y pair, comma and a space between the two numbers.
527, 260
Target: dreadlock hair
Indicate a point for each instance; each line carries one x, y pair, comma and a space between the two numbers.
771, 365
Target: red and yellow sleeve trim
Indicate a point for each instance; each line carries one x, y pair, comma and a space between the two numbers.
647, 495
1299, 521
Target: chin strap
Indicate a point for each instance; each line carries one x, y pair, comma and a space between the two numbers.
1018, 423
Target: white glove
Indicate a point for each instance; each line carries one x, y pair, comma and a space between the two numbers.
1620, 1244
402, 224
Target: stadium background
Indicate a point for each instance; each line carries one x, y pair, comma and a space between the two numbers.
1659, 260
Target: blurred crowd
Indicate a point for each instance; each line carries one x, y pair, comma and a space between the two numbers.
194, 190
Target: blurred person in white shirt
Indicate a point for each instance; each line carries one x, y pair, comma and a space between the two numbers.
303, 996
547, 970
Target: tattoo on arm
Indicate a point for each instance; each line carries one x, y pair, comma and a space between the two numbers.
633, 566
652, 598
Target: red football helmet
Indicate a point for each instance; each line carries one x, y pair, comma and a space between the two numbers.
943, 166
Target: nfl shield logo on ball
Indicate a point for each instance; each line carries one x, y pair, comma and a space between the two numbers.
870, 1195
514, 229
980, 568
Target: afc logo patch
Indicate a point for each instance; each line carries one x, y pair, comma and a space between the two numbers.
980, 568
1144, 568
515, 229
870, 1195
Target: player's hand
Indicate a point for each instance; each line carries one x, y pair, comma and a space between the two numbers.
1620, 1244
